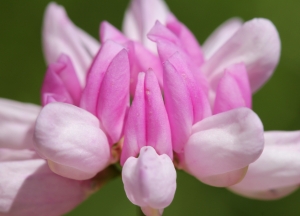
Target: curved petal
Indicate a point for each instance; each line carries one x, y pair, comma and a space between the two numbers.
157, 122
30, 188
140, 18
109, 32
135, 128
72, 141
276, 173
150, 180
256, 44
60, 36
224, 143
220, 36
113, 99
16, 124
233, 90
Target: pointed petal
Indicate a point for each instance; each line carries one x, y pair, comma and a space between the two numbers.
135, 130
71, 140
16, 124
276, 173
256, 44
149, 180
140, 18
224, 143
157, 122
216, 40
233, 90
31, 188
60, 35
114, 96
96, 73
178, 105
109, 32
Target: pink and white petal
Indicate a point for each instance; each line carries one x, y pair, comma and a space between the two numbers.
96, 73
109, 32
216, 40
60, 35
135, 128
150, 180
111, 108
157, 122
30, 188
187, 39
179, 107
141, 16
233, 90
71, 140
276, 173
16, 124
224, 143
256, 44
7, 154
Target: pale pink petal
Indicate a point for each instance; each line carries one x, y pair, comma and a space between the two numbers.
150, 180
135, 128
276, 173
178, 105
157, 122
140, 18
256, 44
220, 36
109, 32
71, 140
60, 35
30, 188
7, 154
16, 124
96, 73
233, 90
224, 143
187, 39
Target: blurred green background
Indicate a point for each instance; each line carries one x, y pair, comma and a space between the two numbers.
22, 69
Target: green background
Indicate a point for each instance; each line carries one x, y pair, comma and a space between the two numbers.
22, 69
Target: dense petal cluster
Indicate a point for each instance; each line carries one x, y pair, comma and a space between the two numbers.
151, 99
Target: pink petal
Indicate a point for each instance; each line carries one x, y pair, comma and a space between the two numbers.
109, 32
256, 44
224, 32
60, 35
150, 180
276, 173
7, 154
96, 73
187, 39
72, 141
178, 105
157, 122
224, 143
233, 90
16, 124
31, 188
135, 128
113, 98
140, 18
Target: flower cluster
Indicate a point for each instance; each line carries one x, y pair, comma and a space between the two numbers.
150, 99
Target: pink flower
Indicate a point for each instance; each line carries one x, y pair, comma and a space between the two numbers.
150, 179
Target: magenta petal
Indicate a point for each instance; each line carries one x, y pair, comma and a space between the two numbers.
157, 122
135, 128
256, 44
109, 32
60, 35
224, 143
31, 188
113, 98
150, 180
220, 36
178, 105
96, 73
16, 124
72, 141
276, 173
233, 90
